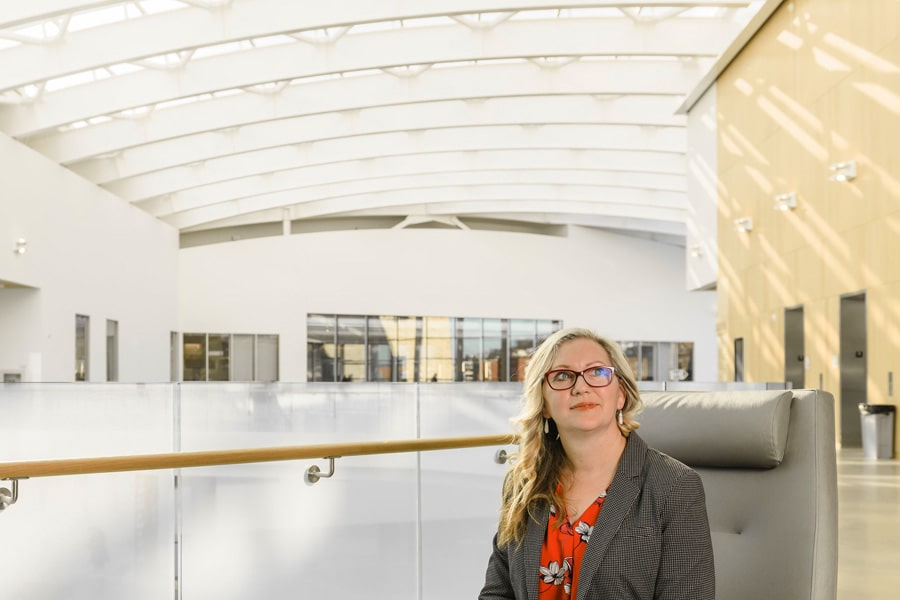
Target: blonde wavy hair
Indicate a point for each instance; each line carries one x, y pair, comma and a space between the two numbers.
540, 461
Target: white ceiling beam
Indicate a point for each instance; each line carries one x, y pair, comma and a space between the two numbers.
645, 92
359, 53
18, 12
304, 190
253, 19
522, 198
589, 137
665, 168
672, 228
672, 231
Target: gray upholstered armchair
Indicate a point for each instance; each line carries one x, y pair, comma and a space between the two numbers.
768, 464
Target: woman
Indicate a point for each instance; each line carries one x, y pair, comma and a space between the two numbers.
590, 512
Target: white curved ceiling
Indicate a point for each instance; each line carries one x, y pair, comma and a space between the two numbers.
225, 115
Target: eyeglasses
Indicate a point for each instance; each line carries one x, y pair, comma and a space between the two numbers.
564, 379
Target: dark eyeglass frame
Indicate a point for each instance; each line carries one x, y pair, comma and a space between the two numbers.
575, 374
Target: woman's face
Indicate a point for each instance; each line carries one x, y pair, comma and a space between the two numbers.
583, 408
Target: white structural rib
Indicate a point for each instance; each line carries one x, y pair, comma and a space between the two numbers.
222, 113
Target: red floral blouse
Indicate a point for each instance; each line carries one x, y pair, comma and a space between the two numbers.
562, 551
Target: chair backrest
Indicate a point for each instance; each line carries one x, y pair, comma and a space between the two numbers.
769, 468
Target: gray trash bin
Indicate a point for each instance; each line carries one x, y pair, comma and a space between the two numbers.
877, 430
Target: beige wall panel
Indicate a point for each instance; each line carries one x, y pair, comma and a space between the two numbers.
778, 276
821, 337
843, 262
881, 251
743, 127
726, 355
770, 346
820, 83
808, 67
754, 300
855, 31
809, 276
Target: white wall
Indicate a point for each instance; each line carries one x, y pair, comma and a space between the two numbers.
702, 221
89, 253
624, 287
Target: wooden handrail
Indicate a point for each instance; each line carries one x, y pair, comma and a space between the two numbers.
211, 458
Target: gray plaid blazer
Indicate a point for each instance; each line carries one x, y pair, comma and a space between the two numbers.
651, 540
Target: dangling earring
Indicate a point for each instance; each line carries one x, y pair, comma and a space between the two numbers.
621, 417
546, 425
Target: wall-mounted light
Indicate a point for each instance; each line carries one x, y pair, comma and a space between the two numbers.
843, 171
786, 202
696, 251
744, 224
21, 246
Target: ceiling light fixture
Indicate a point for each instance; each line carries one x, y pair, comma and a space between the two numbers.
21, 246
744, 224
843, 171
696, 251
786, 202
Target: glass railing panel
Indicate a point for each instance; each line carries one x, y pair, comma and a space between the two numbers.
105, 536
461, 488
263, 531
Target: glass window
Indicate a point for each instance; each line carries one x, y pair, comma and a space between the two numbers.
545, 328
409, 344
419, 349
321, 343
351, 348
438, 349
521, 345
382, 343
686, 359
494, 365
112, 350
267, 358
468, 349
82, 347
243, 357
632, 352
219, 353
194, 354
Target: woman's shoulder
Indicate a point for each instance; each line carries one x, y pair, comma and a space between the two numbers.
665, 470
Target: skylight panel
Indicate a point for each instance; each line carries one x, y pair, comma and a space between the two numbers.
133, 113
89, 19
183, 101
124, 68
4, 43
376, 26
535, 14
75, 79
428, 22
703, 12
273, 40
39, 32
96, 18
589, 13
161, 6
166, 61
220, 49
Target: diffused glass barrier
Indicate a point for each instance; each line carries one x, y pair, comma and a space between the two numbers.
88, 536
405, 525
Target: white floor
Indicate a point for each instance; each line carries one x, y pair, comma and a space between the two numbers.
869, 527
